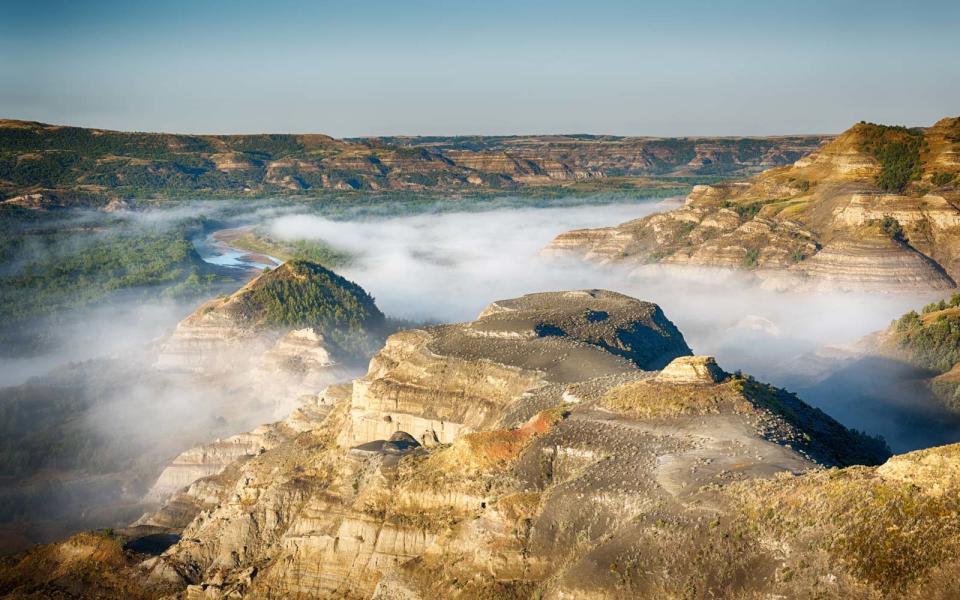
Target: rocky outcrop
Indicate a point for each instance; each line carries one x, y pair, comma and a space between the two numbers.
252, 338
876, 263
194, 478
212, 340
299, 364
314, 307
692, 370
440, 382
249, 339
831, 220
548, 481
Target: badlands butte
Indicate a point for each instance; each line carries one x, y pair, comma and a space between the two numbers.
564, 444
874, 208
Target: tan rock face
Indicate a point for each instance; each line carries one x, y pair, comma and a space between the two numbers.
300, 363
443, 381
210, 340
813, 224
692, 370
549, 484
211, 459
878, 264
230, 341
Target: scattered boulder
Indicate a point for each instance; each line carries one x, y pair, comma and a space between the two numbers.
692, 370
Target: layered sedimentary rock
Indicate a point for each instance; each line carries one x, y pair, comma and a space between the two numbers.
875, 263
254, 337
211, 340
334, 315
437, 383
299, 363
211, 459
188, 483
602, 461
692, 370
829, 220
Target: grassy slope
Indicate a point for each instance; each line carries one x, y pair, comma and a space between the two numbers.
302, 294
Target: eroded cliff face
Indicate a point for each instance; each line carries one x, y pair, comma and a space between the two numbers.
212, 340
211, 459
829, 220
438, 383
249, 342
584, 453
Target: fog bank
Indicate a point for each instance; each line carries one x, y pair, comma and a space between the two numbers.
447, 267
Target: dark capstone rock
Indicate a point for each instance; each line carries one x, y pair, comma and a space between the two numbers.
400, 443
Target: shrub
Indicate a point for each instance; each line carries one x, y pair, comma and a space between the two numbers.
934, 345
942, 179
747, 210
892, 227
898, 151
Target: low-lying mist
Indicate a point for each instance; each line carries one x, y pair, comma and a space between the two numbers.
438, 265
112, 329
447, 267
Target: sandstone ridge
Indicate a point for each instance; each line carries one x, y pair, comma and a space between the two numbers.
874, 209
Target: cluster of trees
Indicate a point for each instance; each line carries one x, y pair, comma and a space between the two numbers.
303, 294
932, 343
47, 270
891, 226
941, 179
953, 302
62, 271
898, 150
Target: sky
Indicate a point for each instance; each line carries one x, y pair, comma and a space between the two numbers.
395, 67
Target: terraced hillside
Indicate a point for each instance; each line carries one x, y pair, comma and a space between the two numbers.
876, 208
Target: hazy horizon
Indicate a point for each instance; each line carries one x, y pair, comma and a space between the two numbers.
431, 68
520, 134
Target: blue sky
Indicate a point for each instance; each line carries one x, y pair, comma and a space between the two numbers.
393, 67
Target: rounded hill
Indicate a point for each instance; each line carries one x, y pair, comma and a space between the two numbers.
301, 294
